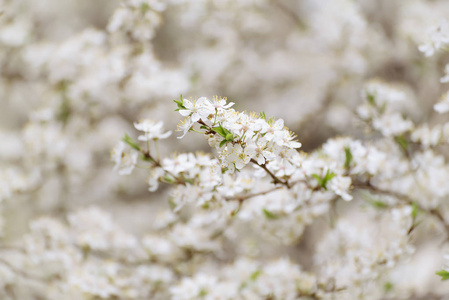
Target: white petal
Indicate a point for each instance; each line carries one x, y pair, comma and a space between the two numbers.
195, 117
165, 135
187, 104
185, 112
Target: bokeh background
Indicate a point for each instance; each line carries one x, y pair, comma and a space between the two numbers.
75, 75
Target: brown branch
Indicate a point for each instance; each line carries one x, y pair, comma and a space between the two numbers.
275, 179
245, 197
434, 212
20, 272
287, 11
157, 163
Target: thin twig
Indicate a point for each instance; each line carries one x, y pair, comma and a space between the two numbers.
157, 163
243, 198
20, 272
287, 11
434, 212
275, 179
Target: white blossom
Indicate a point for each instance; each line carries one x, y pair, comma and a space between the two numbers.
153, 130
125, 159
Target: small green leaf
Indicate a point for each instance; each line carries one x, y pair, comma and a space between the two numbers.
444, 274
229, 137
180, 104
383, 108
225, 130
220, 130
202, 293
255, 275
168, 179
146, 158
373, 201
377, 204
329, 176
85, 251
415, 210
262, 115
322, 181
348, 157
64, 110
318, 178
127, 139
188, 180
172, 204
402, 142
144, 7
223, 142
269, 215
371, 99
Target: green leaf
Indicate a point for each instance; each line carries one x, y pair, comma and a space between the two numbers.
85, 251
144, 7
371, 99
444, 274
368, 197
180, 103
172, 204
402, 142
255, 275
127, 139
318, 178
220, 131
146, 158
269, 215
383, 108
168, 179
377, 204
188, 180
225, 130
415, 210
329, 176
204, 127
64, 110
262, 115
229, 137
348, 157
322, 181
223, 142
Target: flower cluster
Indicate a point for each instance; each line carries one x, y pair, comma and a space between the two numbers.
284, 190
240, 137
438, 37
355, 208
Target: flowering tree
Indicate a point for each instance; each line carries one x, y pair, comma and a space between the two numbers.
350, 204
